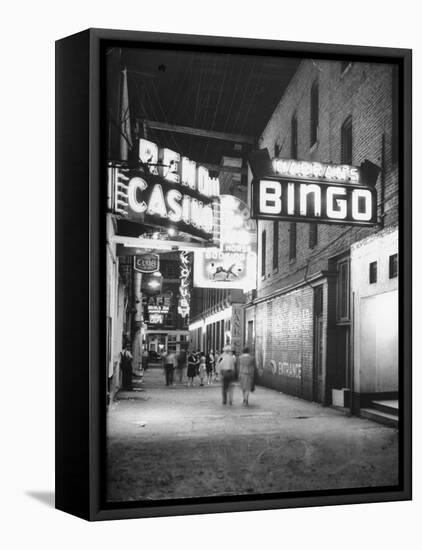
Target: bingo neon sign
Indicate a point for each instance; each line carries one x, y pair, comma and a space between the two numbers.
314, 192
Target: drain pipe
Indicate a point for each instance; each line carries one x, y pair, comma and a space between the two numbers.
352, 356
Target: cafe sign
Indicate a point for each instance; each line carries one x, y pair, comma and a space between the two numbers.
316, 192
146, 263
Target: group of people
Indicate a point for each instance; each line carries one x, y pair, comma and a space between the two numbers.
210, 367
243, 367
201, 365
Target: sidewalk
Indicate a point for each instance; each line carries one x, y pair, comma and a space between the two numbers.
176, 442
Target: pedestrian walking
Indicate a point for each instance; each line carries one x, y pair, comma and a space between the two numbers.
170, 362
192, 368
246, 374
126, 367
227, 368
202, 371
181, 365
217, 357
209, 363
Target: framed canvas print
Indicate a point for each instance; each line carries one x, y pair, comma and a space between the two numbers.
233, 274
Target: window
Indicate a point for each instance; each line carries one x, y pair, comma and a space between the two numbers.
313, 235
393, 266
275, 245
293, 137
373, 268
263, 252
292, 241
395, 115
277, 150
314, 112
346, 141
318, 300
343, 290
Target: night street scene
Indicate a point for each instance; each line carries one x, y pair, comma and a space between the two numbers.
252, 274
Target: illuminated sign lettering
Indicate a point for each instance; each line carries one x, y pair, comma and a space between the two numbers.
158, 309
167, 190
183, 307
156, 319
153, 200
318, 171
314, 192
147, 263
176, 169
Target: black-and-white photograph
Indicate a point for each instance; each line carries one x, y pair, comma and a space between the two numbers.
252, 250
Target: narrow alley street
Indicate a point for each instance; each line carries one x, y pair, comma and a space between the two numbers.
181, 442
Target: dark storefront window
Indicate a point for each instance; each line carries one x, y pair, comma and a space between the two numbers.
373, 273
314, 113
275, 244
343, 290
393, 267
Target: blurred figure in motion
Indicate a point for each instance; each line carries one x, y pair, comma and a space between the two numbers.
126, 367
192, 367
227, 372
181, 365
209, 366
170, 363
202, 368
246, 374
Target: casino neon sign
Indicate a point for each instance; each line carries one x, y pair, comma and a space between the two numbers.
314, 192
167, 190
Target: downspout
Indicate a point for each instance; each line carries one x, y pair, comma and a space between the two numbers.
382, 181
352, 356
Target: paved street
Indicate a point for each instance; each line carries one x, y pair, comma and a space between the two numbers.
181, 442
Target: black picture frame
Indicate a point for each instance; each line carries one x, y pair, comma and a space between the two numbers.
81, 324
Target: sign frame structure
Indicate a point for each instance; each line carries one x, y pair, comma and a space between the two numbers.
82, 257
336, 200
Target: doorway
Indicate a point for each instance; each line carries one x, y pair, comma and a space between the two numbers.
318, 363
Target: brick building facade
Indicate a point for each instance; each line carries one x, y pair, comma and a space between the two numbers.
307, 337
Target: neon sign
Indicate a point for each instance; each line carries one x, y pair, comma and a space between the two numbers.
318, 171
314, 192
233, 264
146, 263
142, 197
176, 169
184, 290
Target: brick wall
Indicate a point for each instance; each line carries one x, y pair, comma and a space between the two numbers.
362, 91
284, 344
285, 323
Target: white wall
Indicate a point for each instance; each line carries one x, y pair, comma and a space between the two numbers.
375, 314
